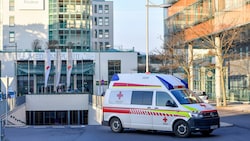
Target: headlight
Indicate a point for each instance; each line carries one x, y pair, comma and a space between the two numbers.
196, 114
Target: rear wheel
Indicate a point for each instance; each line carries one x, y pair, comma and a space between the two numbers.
181, 129
116, 125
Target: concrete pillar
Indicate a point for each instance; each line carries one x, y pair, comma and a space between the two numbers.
35, 79
75, 76
191, 70
217, 73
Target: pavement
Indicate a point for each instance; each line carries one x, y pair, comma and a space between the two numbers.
231, 110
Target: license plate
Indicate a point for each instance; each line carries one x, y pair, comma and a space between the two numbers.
213, 126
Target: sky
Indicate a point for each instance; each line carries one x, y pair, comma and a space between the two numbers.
130, 25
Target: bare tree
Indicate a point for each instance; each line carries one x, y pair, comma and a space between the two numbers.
52, 44
174, 55
36, 44
222, 39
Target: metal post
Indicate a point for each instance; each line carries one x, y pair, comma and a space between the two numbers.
99, 85
1, 130
147, 34
82, 77
29, 75
6, 101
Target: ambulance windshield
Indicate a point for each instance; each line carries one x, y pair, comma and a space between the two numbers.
186, 96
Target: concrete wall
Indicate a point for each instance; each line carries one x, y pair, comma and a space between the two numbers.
57, 102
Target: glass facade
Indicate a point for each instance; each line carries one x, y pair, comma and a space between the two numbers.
69, 23
186, 15
114, 66
29, 72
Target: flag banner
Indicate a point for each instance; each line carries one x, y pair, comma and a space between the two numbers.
69, 66
58, 66
47, 66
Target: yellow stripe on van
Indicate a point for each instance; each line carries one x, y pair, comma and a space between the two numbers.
190, 108
173, 113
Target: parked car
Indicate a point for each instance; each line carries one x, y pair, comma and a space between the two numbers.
202, 95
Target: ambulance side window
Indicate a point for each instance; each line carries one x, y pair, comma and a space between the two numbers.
142, 97
164, 99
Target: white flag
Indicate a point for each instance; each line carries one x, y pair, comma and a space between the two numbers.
58, 66
69, 66
47, 66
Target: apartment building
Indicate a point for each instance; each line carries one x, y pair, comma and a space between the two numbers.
102, 25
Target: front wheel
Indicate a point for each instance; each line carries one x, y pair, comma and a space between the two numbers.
181, 129
116, 125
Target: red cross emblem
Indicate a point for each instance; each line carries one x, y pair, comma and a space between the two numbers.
119, 95
165, 119
203, 105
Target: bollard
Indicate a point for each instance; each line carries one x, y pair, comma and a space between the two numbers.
1, 130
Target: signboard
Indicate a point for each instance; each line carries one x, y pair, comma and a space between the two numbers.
30, 4
102, 82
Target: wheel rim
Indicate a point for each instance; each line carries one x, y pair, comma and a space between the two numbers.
182, 129
116, 125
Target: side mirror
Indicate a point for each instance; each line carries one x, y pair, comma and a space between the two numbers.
171, 104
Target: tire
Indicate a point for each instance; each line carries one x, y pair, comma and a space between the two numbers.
116, 125
181, 129
206, 132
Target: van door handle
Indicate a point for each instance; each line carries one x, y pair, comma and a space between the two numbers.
148, 107
156, 108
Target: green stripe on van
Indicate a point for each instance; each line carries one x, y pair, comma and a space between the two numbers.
190, 108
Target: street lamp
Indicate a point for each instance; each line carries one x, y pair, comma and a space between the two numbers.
28, 75
147, 30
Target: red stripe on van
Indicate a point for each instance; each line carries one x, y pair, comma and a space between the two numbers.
115, 110
130, 84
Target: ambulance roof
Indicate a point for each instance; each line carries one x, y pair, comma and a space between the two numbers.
152, 80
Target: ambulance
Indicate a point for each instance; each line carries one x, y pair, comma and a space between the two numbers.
156, 102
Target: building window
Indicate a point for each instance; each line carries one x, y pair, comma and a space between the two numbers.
106, 21
100, 46
114, 66
100, 9
95, 33
107, 45
95, 9
11, 5
106, 33
100, 21
100, 34
95, 21
11, 21
11, 36
106, 9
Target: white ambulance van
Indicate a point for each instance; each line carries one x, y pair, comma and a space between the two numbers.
156, 102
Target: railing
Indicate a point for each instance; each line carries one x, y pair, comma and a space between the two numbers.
96, 100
